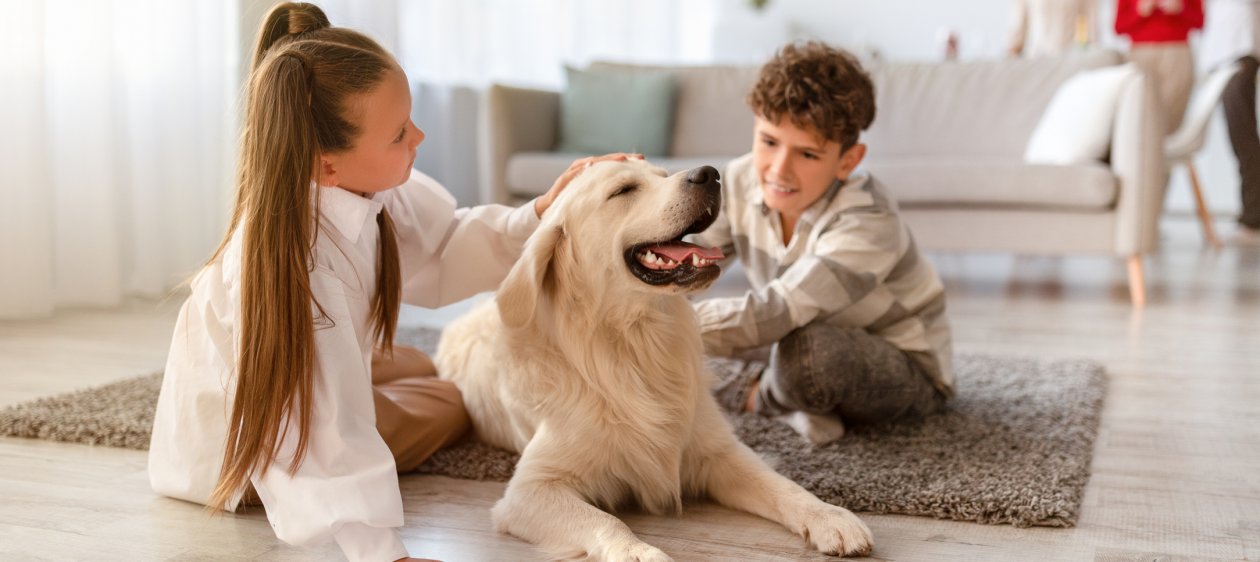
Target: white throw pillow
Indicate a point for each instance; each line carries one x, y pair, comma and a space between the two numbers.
1076, 126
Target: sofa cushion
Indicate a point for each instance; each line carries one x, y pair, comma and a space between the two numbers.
980, 109
996, 184
711, 117
1076, 126
531, 173
617, 111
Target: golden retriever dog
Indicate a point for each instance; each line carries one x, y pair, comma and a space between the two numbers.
589, 363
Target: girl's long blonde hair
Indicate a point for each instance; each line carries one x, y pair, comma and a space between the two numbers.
297, 108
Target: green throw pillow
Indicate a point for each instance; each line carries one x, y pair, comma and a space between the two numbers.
617, 111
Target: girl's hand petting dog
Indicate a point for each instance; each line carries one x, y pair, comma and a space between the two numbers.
541, 204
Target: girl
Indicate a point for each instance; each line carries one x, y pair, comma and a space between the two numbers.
282, 380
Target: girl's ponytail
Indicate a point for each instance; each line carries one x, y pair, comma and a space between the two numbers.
304, 74
276, 355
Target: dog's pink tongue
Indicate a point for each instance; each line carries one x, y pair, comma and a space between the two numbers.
680, 251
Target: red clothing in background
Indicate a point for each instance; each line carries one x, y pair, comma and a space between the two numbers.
1159, 26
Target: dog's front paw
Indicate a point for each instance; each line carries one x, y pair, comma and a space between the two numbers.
635, 552
838, 532
819, 429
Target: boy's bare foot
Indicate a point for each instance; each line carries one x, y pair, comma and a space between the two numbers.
750, 403
737, 393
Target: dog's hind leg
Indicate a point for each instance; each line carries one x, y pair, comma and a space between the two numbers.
734, 476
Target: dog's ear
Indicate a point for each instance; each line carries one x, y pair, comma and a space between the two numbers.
518, 295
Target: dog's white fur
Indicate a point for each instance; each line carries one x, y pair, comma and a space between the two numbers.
597, 379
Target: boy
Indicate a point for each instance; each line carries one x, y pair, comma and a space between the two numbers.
855, 313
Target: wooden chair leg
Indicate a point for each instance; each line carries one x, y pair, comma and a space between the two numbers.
1137, 283
1209, 233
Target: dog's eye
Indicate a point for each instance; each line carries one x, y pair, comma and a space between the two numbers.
630, 187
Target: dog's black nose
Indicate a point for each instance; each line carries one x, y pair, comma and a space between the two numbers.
702, 175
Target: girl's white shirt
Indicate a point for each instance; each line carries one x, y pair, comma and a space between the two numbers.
346, 488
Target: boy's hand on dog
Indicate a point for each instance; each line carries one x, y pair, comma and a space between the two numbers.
541, 204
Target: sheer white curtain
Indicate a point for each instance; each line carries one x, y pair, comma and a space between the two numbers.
119, 120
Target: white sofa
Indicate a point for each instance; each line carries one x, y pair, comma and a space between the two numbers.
948, 141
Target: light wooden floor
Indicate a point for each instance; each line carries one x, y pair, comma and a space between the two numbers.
1176, 475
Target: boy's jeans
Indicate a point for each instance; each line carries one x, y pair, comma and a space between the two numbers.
823, 369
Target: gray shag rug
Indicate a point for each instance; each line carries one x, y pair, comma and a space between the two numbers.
1013, 447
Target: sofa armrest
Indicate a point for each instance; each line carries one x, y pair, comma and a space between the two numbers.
513, 120
1137, 159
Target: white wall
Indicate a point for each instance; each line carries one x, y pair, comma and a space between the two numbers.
900, 29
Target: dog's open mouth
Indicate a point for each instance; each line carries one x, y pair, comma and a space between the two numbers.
674, 261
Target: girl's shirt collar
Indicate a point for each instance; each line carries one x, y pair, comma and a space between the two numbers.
348, 211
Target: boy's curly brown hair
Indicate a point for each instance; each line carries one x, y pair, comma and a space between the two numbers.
819, 87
